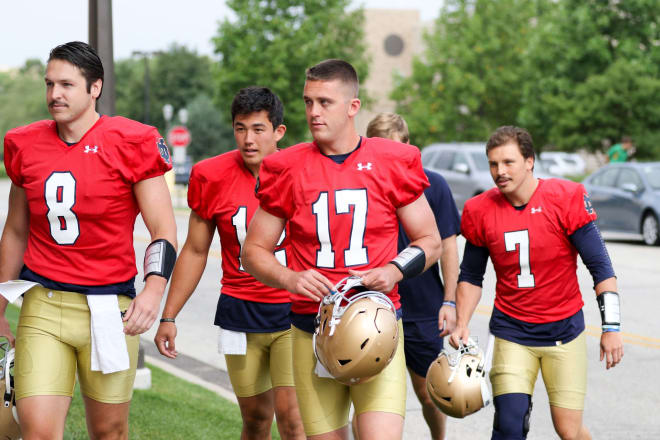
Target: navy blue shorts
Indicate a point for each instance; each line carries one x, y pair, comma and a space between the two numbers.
421, 344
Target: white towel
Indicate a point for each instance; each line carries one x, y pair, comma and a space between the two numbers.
321, 371
109, 351
11, 290
231, 342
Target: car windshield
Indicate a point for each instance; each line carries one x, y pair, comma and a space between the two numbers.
480, 161
652, 173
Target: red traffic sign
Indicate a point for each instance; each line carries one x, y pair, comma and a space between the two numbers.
178, 136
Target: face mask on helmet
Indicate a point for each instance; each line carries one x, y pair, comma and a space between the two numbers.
8, 418
356, 335
457, 382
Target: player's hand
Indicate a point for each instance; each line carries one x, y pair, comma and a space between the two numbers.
460, 333
164, 339
446, 320
611, 348
143, 310
5, 330
381, 279
309, 283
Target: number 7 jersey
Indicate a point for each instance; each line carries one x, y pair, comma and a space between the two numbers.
530, 248
80, 197
341, 216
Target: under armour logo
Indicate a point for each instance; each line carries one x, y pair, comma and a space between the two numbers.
361, 167
535, 210
88, 149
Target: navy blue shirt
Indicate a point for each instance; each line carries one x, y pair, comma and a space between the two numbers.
422, 296
251, 317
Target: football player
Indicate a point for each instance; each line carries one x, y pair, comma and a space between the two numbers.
221, 196
343, 196
78, 183
426, 303
533, 229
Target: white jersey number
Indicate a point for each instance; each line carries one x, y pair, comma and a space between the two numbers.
521, 238
356, 253
239, 220
60, 195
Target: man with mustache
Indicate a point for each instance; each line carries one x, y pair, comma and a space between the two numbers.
533, 230
78, 183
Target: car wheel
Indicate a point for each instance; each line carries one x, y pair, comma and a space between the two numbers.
650, 229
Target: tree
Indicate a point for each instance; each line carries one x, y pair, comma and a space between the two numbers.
210, 129
272, 42
468, 81
176, 76
23, 96
595, 76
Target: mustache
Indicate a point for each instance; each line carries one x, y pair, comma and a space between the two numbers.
52, 103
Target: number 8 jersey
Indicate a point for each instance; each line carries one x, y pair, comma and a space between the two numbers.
530, 248
80, 197
341, 215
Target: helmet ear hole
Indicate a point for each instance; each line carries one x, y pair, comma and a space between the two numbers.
343, 362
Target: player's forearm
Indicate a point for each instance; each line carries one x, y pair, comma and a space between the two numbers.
467, 299
608, 285
187, 273
12, 248
432, 247
449, 267
262, 264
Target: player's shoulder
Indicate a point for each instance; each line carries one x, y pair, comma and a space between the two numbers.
125, 128
556, 187
289, 157
28, 132
216, 167
482, 202
389, 149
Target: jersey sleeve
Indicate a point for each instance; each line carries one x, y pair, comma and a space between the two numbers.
408, 178
275, 189
12, 161
470, 227
580, 211
150, 157
196, 194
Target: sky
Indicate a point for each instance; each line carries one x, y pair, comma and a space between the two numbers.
31, 28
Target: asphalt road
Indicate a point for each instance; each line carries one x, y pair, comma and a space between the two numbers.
620, 403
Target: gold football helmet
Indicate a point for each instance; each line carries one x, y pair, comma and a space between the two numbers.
356, 337
457, 382
9, 429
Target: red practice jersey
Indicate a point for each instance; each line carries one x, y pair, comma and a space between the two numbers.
341, 215
222, 190
532, 254
80, 197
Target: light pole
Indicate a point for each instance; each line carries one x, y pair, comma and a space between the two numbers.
147, 85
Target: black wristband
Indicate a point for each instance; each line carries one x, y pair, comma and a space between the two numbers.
159, 259
167, 320
410, 261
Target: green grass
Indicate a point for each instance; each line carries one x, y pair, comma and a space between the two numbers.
171, 409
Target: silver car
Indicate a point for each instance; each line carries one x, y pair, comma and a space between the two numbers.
626, 197
464, 165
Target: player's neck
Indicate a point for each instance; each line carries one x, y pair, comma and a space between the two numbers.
340, 145
73, 131
524, 192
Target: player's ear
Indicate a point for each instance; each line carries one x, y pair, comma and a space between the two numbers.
279, 132
354, 107
96, 87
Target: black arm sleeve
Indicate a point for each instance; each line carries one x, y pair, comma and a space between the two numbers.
473, 266
589, 244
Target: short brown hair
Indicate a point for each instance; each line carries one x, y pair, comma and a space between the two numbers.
332, 69
509, 133
386, 125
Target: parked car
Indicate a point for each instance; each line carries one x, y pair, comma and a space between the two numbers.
626, 197
465, 168
562, 163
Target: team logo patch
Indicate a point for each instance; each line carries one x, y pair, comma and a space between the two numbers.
163, 150
361, 166
89, 149
587, 204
